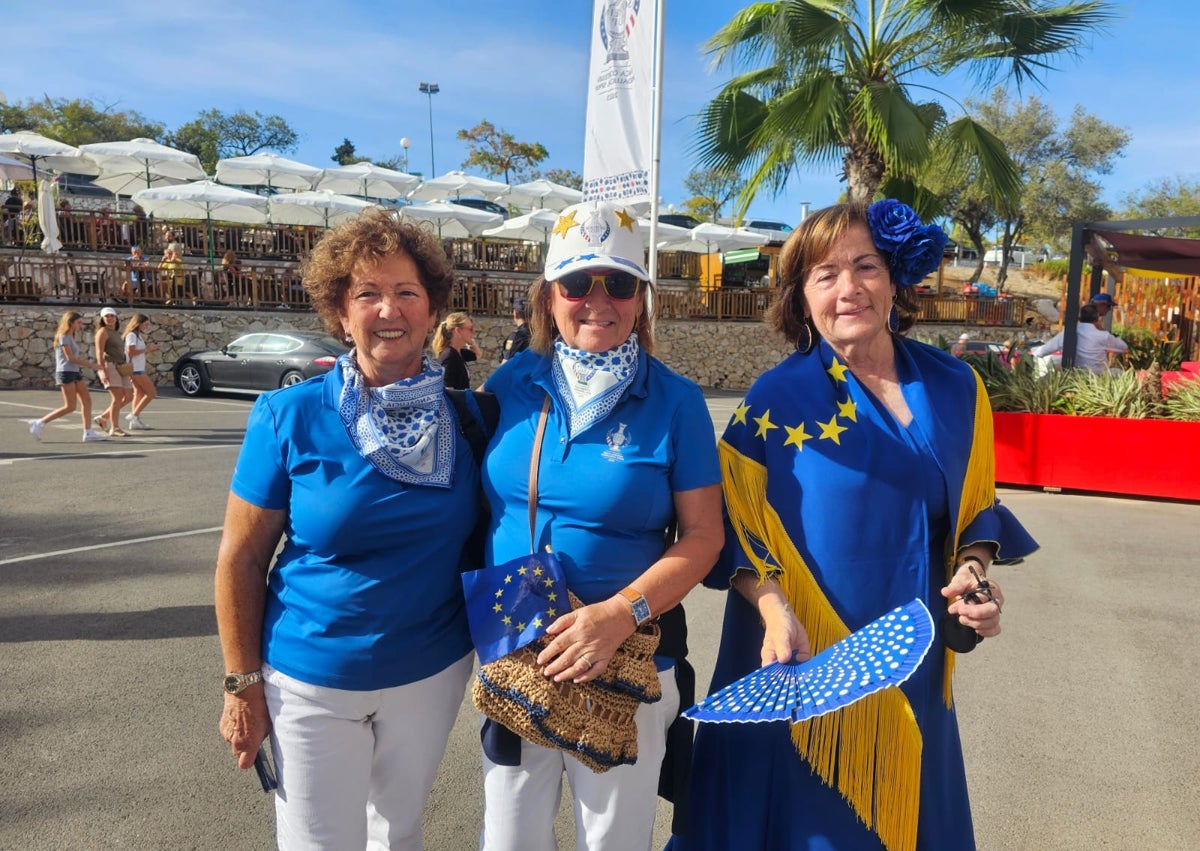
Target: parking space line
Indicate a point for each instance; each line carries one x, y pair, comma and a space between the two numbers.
132, 449
126, 543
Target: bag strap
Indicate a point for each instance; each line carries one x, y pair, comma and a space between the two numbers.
478, 414
534, 463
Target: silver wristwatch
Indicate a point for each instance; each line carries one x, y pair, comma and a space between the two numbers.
238, 683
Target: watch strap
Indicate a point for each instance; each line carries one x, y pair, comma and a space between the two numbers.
235, 683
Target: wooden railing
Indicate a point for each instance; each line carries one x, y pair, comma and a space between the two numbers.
484, 290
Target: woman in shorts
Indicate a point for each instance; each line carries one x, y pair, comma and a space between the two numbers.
135, 352
115, 373
68, 375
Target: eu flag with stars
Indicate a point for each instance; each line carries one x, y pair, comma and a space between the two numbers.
511, 604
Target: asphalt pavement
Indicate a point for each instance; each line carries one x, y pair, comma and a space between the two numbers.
1079, 722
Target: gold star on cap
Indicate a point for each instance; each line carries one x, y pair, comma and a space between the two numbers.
565, 223
625, 220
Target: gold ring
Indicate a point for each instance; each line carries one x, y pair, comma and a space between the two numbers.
586, 661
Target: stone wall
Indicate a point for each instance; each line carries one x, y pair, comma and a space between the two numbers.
724, 355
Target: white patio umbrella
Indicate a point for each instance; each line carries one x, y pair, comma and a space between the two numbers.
666, 232
531, 227
314, 207
708, 237
453, 221
457, 184
126, 167
543, 194
42, 152
47, 220
205, 200
15, 169
269, 170
368, 180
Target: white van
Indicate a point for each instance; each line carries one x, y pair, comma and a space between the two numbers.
1018, 255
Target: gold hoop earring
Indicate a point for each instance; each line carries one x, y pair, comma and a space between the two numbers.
804, 346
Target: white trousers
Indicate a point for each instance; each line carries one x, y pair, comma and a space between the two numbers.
355, 767
614, 811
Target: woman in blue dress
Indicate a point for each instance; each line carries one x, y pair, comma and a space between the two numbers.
858, 475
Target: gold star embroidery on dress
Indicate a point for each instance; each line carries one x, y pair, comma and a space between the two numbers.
551, 612
497, 608
797, 436
552, 597
837, 370
739, 414
507, 620
565, 223
499, 592
520, 626
536, 622
508, 579
537, 571
549, 582
522, 570
764, 424
624, 220
848, 410
831, 430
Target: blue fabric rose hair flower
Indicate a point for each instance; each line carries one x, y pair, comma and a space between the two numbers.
912, 249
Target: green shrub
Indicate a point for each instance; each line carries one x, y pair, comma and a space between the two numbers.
1146, 349
1183, 402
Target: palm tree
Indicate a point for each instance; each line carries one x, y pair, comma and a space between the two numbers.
830, 79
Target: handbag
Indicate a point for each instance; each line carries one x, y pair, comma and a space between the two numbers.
592, 721
125, 369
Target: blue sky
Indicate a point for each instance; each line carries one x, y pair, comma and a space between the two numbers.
351, 69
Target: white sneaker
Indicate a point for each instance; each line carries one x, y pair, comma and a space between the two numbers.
92, 435
136, 423
35, 428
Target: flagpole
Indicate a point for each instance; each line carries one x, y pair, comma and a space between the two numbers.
656, 134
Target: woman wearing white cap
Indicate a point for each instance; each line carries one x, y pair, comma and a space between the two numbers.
640, 436
116, 373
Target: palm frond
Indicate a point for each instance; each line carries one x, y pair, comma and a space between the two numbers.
968, 138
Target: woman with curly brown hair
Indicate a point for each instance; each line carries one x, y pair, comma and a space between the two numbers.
352, 651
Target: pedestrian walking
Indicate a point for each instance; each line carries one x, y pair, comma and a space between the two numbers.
68, 375
136, 348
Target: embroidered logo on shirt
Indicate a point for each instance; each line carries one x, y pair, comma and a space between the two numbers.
616, 439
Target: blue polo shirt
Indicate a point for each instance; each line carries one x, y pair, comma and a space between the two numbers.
605, 496
365, 593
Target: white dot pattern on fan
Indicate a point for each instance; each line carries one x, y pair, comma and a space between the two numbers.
884, 652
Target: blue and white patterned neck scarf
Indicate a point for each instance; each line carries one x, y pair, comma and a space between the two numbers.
404, 429
591, 383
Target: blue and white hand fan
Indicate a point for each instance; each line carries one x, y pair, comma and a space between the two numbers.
883, 653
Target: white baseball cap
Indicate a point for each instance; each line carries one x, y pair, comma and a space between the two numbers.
596, 235
107, 311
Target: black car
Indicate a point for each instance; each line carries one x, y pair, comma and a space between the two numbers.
258, 361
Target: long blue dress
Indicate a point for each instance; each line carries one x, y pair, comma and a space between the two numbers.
843, 496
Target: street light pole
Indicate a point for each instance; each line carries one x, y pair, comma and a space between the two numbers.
430, 89
404, 143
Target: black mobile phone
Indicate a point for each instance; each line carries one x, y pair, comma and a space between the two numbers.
264, 770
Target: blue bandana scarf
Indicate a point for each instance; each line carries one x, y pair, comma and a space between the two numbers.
404, 429
591, 383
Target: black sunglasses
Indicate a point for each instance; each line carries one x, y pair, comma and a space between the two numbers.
620, 286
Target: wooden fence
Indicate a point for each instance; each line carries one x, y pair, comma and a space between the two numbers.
1168, 308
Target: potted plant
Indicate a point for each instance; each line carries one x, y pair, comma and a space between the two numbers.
1111, 433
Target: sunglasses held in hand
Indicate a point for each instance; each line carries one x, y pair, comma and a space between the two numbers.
620, 286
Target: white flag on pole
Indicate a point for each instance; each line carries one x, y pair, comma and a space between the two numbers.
617, 147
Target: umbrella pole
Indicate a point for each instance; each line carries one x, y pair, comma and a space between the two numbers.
212, 275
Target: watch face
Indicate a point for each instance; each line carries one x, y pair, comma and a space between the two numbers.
231, 684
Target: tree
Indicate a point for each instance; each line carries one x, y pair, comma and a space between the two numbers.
77, 121
829, 79
711, 189
343, 154
562, 176
1056, 167
1170, 196
213, 135
498, 154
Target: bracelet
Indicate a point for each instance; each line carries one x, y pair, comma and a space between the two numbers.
978, 561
